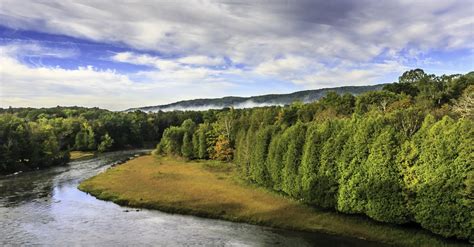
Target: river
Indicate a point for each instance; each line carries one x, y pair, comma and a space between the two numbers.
45, 208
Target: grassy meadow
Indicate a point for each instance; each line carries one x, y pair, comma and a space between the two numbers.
210, 189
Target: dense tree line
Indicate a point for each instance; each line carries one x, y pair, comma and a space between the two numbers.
35, 138
403, 154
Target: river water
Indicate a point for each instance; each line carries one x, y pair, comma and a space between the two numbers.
46, 208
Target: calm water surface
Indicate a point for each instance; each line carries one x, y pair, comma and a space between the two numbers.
46, 208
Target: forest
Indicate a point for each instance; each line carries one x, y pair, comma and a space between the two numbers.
37, 138
401, 155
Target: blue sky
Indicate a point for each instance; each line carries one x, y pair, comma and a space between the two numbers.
120, 55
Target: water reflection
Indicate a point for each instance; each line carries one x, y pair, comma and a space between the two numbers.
46, 208
21, 189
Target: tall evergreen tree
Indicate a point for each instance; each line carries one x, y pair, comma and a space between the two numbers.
187, 147
276, 150
295, 136
445, 158
258, 168
327, 180
385, 200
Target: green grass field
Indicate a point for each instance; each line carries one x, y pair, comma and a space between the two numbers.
75, 155
210, 189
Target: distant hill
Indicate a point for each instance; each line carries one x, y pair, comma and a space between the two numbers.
305, 96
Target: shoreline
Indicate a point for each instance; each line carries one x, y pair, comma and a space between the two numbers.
81, 155
208, 189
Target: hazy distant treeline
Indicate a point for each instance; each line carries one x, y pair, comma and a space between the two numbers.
403, 154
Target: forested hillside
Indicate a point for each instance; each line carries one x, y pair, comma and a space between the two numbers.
403, 154
306, 96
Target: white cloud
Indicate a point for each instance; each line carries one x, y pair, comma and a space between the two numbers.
311, 74
201, 61
177, 71
22, 85
285, 66
363, 74
254, 32
33, 49
145, 59
166, 64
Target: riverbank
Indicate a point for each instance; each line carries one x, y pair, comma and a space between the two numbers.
210, 189
76, 155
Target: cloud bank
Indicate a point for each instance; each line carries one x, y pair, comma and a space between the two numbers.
217, 48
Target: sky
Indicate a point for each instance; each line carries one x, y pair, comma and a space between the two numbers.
122, 54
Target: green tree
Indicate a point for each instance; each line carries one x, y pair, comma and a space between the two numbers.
188, 126
106, 143
385, 200
465, 105
202, 151
276, 150
413, 76
327, 181
258, 168
195, 143
295, 136
313, 182
375, 100
171, 141
187, 147
445, 157
85, 138
243, 152
407, 88
352, 196
310, 162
